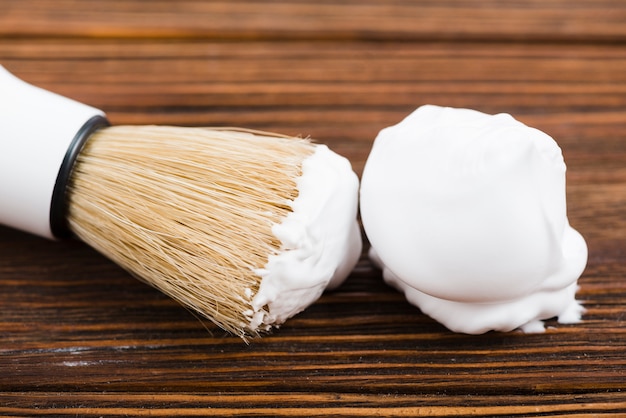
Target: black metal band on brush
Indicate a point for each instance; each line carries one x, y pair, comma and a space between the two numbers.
58, 206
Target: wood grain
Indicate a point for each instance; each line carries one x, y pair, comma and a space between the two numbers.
79, 337
580, 20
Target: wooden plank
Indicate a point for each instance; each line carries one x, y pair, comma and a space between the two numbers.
319, 404
579, 20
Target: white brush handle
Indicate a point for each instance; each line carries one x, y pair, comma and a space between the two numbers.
38, 136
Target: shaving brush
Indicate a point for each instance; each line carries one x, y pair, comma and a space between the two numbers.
245, 228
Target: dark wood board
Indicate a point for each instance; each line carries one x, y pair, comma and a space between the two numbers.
80, 337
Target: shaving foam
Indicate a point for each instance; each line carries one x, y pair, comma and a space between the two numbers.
466, 214
321, 241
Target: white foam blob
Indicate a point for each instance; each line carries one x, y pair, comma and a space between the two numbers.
321, 241
466, 214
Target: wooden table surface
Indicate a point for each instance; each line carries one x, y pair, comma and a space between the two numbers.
80, 337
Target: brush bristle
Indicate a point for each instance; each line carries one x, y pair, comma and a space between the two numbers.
188, 210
